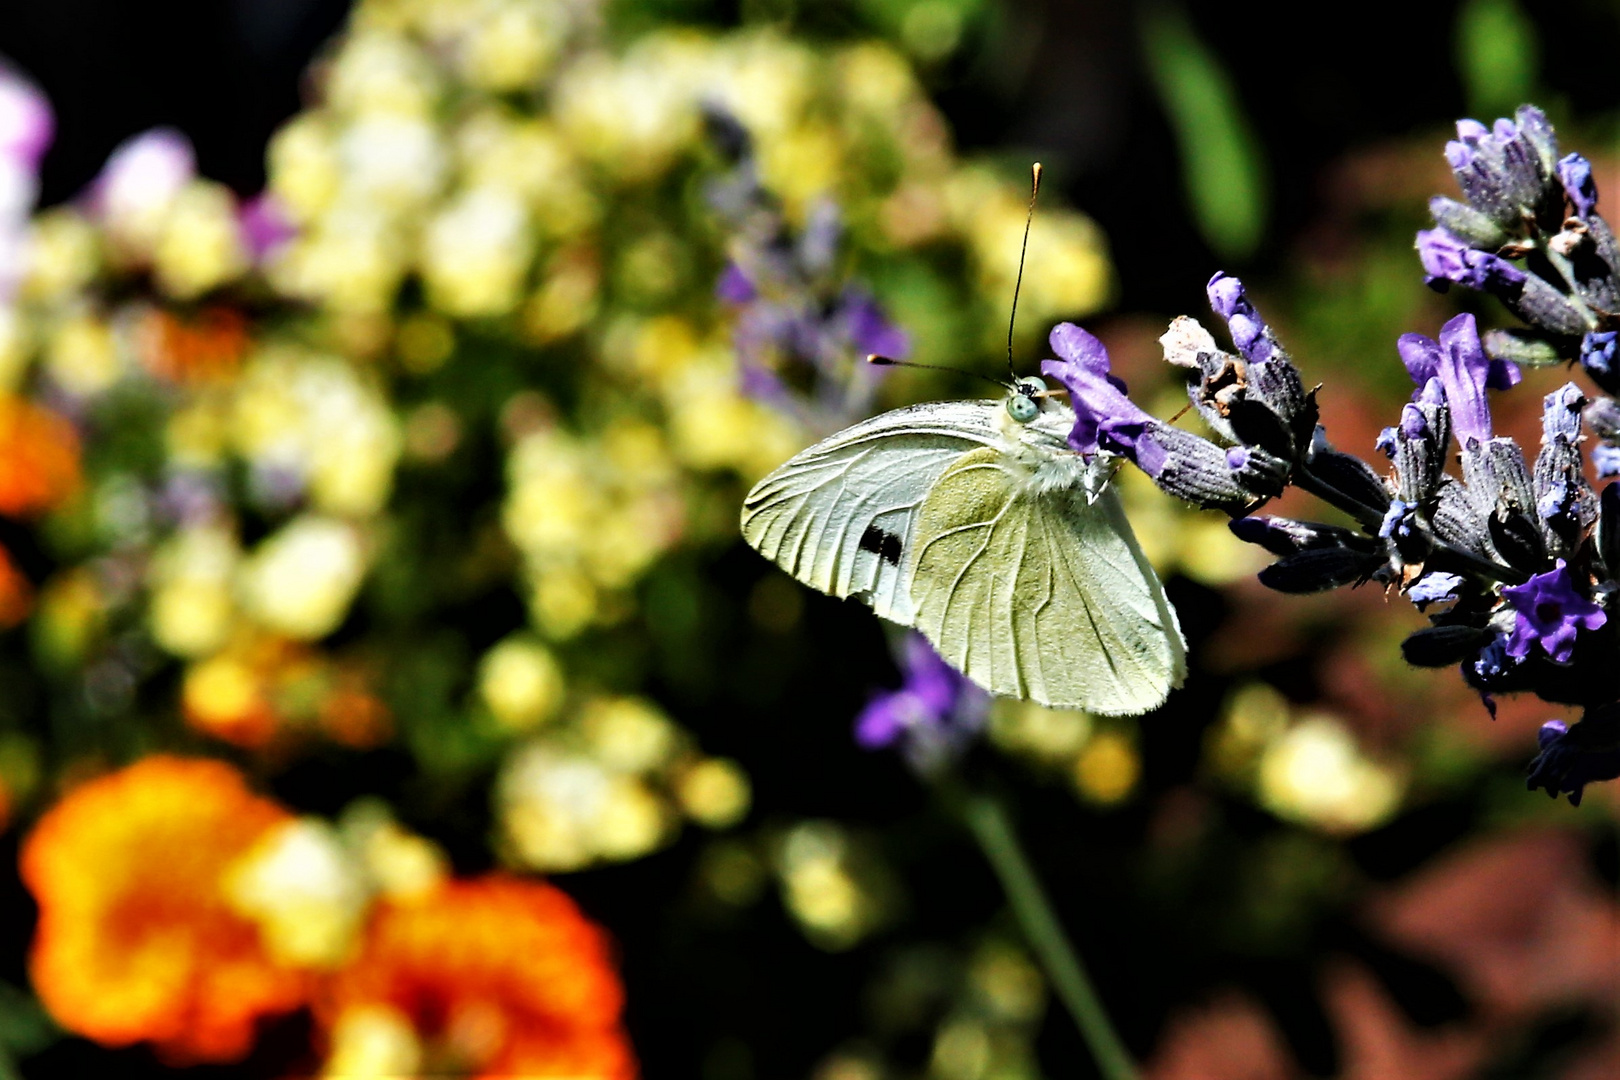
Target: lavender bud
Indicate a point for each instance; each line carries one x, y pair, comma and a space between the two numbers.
1467, 224
1598, 358
1563, 499
1194, 469
1345, 481
1442, 646
1447, 259
1524, 347
1457, 521
1518, 541
1320, 569
1575, 174
1285, 536
1498, 479
1543, 306
1573, 756
1435, 587
1606, 460
1418, 450
1603, 417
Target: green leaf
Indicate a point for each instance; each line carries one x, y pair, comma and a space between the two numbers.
1496, 56
1222, 165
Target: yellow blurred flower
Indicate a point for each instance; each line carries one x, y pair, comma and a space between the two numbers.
83, 355
476, 253
192, 610
511, 45
1316, 774
299, 884
521, 682
200, 245
302, 579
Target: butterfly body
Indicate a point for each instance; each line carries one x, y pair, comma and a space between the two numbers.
976, 523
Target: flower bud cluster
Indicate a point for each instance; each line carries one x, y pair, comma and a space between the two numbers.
1515, 561
1528, 233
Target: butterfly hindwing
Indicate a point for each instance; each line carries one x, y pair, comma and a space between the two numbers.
841, 516
1041, 593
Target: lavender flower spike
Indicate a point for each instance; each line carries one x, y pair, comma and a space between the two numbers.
1550, 612
1179, 462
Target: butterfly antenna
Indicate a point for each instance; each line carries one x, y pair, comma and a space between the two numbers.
883, 361
1012, 318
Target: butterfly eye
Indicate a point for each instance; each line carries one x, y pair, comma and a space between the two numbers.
1022, 408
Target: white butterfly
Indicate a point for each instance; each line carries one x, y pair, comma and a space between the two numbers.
976, 523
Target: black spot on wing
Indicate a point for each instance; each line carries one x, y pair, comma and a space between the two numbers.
885, 545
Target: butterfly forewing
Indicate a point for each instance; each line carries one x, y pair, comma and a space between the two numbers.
1041, 593
841, 516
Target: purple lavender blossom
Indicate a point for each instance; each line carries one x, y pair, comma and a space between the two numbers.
933, 715
1575, 174
1447, 260
1597, 354
1103, 413
1434, 587
1572, 757
1249, 331
1550, 612
1502, 169
868, 329
1458, 360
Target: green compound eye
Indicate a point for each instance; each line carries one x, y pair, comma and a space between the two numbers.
1022, 408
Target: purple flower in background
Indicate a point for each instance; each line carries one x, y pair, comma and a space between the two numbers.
142, 176
26, 123
1572, 757
868, 328
931, 717
1550, 612
734, 286
264, 225
26, 128
801, 332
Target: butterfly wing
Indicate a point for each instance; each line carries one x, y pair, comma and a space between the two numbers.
841, 516
1042, 593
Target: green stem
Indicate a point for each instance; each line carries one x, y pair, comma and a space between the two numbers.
990, 827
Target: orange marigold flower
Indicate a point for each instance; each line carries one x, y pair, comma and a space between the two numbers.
493, 977
136, 939
39, 457
16, 594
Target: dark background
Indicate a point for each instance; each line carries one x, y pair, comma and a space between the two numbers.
1060, 80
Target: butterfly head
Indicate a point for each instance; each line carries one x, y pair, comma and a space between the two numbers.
1024, 403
